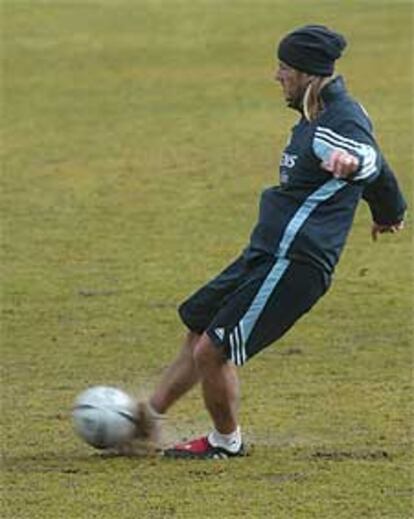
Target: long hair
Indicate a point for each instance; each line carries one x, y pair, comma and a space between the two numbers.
312, 100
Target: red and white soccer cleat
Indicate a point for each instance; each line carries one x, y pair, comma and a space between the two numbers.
201, 448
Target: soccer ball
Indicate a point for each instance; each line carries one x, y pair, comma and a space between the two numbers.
104, 417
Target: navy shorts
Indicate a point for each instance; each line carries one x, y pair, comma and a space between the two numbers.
252, 303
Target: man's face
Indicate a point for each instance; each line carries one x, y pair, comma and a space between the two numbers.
293, 84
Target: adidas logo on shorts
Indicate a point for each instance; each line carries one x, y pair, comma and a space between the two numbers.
220, 333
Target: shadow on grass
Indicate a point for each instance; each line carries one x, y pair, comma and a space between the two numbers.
364, 455
70, 462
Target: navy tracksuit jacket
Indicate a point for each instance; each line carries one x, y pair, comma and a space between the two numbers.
308, 216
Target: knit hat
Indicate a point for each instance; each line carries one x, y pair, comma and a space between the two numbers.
312, 49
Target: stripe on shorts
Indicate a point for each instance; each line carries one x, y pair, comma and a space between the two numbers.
241, 333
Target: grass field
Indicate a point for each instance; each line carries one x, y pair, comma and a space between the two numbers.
137, 137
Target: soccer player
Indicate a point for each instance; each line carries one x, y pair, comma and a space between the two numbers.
331, 161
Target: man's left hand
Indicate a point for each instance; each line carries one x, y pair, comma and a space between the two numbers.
381, 229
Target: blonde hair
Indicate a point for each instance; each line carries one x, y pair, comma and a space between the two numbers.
312, 100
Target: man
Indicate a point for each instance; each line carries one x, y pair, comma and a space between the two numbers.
329, 164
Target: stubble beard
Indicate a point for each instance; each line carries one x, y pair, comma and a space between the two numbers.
296, 102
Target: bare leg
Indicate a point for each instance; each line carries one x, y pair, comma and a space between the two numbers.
179, 377
220, 385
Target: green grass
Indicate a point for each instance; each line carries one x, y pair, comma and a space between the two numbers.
137, 136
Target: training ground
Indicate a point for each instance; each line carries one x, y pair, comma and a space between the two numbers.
137, 137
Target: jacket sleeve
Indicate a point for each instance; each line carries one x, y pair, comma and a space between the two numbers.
380, 187
384, 197
354, 139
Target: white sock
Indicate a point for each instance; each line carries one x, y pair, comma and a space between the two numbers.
231, 442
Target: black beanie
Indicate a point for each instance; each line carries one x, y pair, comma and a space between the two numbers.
312, 49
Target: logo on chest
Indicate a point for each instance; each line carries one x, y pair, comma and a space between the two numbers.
288, 160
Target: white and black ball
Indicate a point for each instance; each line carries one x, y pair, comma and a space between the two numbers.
104, 417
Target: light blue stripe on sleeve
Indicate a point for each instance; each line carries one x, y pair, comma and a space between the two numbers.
322, 149
326, 141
